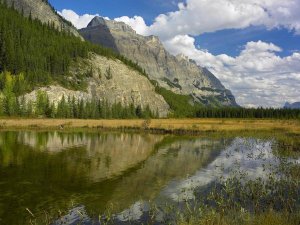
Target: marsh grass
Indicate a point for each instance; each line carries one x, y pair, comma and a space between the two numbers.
177, 126
238, 200
239, 218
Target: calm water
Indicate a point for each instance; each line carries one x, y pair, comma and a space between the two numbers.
77, 176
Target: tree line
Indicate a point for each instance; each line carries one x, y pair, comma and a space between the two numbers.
67, 107
240, 112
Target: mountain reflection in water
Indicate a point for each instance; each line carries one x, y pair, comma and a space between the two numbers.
56, 171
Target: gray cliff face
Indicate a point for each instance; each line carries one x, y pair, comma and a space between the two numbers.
41, 10
120, 85
178, 74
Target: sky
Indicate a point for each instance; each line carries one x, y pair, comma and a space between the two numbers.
252, 46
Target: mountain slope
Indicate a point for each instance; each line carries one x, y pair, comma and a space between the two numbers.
178, 74
43, 11
42, 58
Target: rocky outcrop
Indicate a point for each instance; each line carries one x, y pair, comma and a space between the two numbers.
178, 74
109, 80
43, 11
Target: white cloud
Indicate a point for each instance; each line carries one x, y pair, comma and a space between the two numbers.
195, 17
78, 21
200, 16
137, 23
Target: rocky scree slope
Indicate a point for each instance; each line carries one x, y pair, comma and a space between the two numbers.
178, 74
108, 80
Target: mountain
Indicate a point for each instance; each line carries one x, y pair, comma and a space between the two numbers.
295, 105
176, 73
60, 64
43, 11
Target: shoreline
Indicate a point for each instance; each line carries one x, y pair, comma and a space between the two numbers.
173, 126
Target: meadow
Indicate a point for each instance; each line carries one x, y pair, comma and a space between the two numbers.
158, 125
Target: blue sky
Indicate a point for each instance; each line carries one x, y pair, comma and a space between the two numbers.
225, 41
251, 46
116, 8
231, 41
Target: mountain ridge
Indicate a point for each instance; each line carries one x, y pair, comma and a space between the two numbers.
43, 11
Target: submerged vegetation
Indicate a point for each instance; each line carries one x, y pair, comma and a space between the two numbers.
238, 201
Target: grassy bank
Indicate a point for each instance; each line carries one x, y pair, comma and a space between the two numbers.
159, 125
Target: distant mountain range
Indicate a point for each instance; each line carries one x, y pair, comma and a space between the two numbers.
295, 105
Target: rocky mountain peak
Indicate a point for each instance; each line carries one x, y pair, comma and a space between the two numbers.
178, 74
110, 24
97, 21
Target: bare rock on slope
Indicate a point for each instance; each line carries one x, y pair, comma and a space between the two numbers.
43, 11
109, 80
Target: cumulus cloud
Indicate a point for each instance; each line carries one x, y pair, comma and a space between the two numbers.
200, 16
195, 17
77, 20
137, 23
257, 76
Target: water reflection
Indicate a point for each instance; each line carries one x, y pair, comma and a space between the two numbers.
54, 171
99, 156
87, 173
249, 156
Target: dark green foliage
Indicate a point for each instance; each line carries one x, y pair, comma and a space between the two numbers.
238, 112
42, 52
181, 105
173, 84
96, 109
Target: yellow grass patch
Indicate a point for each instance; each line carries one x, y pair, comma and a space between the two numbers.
163, 124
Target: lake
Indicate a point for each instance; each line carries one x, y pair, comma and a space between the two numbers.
76, 177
